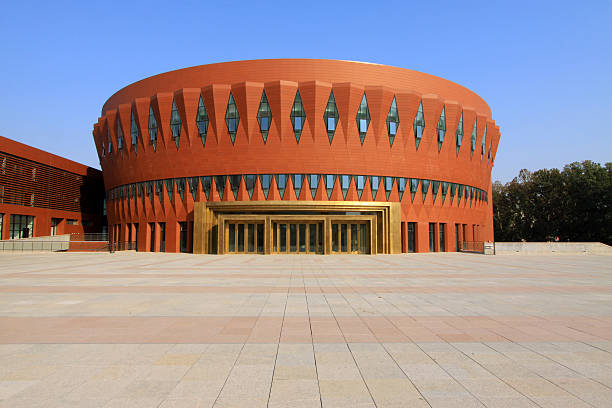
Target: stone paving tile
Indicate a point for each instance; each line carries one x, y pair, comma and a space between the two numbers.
422, 330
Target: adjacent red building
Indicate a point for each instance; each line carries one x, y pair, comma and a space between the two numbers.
287, 131
43, 194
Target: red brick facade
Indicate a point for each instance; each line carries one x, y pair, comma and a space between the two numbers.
282, 154
45, 186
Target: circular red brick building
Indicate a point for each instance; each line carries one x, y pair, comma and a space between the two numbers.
297, 156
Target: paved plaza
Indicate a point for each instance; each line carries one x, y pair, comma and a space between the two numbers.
418, 330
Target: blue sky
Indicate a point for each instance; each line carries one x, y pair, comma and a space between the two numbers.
544, 67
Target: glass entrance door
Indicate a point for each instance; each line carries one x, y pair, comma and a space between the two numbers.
350, 238
297, 237
245, 238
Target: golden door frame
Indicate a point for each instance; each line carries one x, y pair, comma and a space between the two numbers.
211, 220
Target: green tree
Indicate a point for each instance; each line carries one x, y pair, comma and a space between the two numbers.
574, 204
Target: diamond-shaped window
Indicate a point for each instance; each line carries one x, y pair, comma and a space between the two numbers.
313, 182
330, 180
180, 187
152, 128
444, 190
298, 116
134, 133
235, 184
473, 141
232, 118
206, 183
264, 116
298, 181
484, 141
388, 186
202, 121
435, 186
281, 184
193, 186
331, 117
459, 133
374, 185
220, 183
110, 141
424, 188
249, 183
345, 182
169, 188
414, 184
441, 128
265, 180
401, 186
360, 184
119, 134
419, 125
175, 124
363, 118
392, 122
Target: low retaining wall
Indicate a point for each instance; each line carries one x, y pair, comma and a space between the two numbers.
539, 248
44, 244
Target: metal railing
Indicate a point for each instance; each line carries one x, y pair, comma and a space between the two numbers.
121, 246
86, 237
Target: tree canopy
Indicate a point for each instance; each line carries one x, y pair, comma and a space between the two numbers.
574, 204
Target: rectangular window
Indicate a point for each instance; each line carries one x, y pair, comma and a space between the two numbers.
1, 225
320, 249
136, 236
21, 226
360, 182
274, 237
283, 237
335, 237
392, 128
312, 235
432, 237
251, 237
411, 236
302, 236
240, 237
464, 228
260, 238
231, 240
264, 124
457, 241
54, 224
152, 236
231, 124
162, 237
183, 236
364, 242
442, 243
331, 124
72, 222
343, 237
292, 237
363, 125
354, 238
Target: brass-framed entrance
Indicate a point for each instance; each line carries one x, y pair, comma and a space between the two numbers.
297, 237
297, 227
244, 237
352, 237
